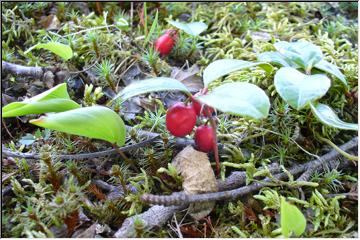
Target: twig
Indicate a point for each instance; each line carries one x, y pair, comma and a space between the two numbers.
156, 216
151, 138
330, 158
331, 155
23, 71
9, 153
345, 154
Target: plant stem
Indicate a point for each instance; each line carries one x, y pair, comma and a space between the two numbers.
215, 145
127, 160
342, 152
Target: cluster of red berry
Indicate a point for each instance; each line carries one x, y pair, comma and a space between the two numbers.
181, 120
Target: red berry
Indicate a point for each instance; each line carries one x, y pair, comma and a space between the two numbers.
165, 43
180, 119
204, 138
197, 105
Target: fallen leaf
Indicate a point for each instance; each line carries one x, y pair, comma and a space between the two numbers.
198, 177
50, 22
188, 77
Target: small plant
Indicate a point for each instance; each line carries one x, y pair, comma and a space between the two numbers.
301, 90
71, 118
233, 98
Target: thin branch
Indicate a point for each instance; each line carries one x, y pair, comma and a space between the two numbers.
331, 155
23, 71
330, 158
9, 153
157, 215
150, 135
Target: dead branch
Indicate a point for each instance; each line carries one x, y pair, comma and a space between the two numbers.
180, 142
331, 159
156, 216
9, 153
23, 71
331, 155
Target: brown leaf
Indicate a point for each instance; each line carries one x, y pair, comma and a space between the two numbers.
199, 177
188, 77
50, 22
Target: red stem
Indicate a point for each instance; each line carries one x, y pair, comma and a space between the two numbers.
215, 145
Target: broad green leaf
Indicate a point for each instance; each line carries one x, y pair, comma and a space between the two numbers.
298, 89
94, 122
62, 50
239, 98
55, 99
151, 85
303, 53
193, 28
223, 67
332, 69
292, 220
327, 116
277, 58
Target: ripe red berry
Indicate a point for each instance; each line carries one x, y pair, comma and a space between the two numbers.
197, 105
165, 43
204, 138
180, 119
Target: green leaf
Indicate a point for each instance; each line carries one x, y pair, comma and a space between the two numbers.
152, 29
298, 89
332, 69
223, 67
151, 85
55, 99
277, 58
62, 50
94, 122
239, 98
292, 219
193, 28
327, 116
302, 53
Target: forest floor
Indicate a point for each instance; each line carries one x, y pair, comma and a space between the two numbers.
50, 190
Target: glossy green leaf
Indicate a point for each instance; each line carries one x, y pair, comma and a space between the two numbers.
193, 28
96, 122
239, 98
298, 89
62, 50
55, 99
332, 69
292, 220
277, 58
302, 53
327, 116
151, 85
222, 67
